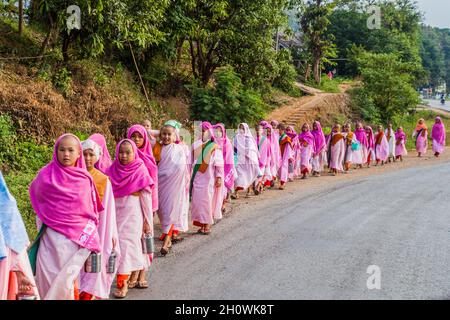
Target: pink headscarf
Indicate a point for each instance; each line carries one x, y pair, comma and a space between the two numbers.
307, 136
319, 138
400, 135
104, 161
361, 136
130, 178
66, 200
227, 151
371, 139
245, 146
438, 131
290, 132
209, 127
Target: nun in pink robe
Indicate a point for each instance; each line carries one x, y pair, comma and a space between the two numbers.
336, 149
146, 154
421, 136
132, 188
306, 139
371, 148
173, 181
246, 151
295, 169
16, 276
381, 146
361, 136
207, 182
99, 284
67, 206
438, 137
400, 144
287, 159
276, 151
104, 160
228, 157
319, 159
263, 141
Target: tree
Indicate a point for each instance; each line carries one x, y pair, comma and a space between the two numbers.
314, 20
388, 83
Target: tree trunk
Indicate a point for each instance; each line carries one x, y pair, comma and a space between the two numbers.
316, 70
20, 17
307, 71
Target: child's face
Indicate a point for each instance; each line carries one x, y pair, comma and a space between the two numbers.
380, 128
68, 151
167, 135
138, 139
335, 129
218, 133
259, 131
305, 128
205, 134
126, 153
269, 132
90, 158
315, 126
241, 129
147, 125
346, 129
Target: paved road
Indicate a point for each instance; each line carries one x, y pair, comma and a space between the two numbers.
318, 244
437, 104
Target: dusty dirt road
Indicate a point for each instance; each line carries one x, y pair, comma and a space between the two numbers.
316, 239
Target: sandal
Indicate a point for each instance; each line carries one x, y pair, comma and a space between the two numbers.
121, 293
142, 284
177, 240
164, 251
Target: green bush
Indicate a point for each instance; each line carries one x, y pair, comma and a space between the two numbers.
62, 80
228, 101
363, 106
286, 75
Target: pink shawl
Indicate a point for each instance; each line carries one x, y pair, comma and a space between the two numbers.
227, 151
371, 139
130, 178
104, 161
400, 135
66, 200
307, 137
438, 132
319, 138
361, 136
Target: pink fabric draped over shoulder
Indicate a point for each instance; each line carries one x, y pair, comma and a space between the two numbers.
227, 151
104, 161
66, 200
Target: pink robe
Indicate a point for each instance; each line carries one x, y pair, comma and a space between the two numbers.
422, 142
131, 211
99, 284
337, 155
206, 203
173, 180
382, 150
8, 280
264, 159
305, 156
288, 156
56, 273
400, 149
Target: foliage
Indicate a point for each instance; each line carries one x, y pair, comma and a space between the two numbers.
388, 84
286, 73
228, 101
62, 80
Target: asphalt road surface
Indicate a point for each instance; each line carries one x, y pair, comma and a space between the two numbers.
320, 242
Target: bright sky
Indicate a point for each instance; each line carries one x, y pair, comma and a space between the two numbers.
437, 12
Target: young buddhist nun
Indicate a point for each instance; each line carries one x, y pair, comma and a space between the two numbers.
152, 134
98, 285
295, 166
228, 157
390, 136
371, 148
267, 157
247, 163
421, 136
320, 149
139, 135
67, 206
16, 276
306, 140
351, 155
287, 156
381, 146
104, 160
276, 151
438, 137
361, 136
336, 150
173, 200
207, 180
400, 144
263, 144
132, 188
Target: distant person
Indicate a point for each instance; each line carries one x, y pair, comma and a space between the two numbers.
390, 136
381, 146
421, 136
287, 156
400, 144
306, 139
438, 137
104, 160
336, 150
152, 134
351, 155
371, 148
294, 166
361, 136
330, 75
16, 276
319, 159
